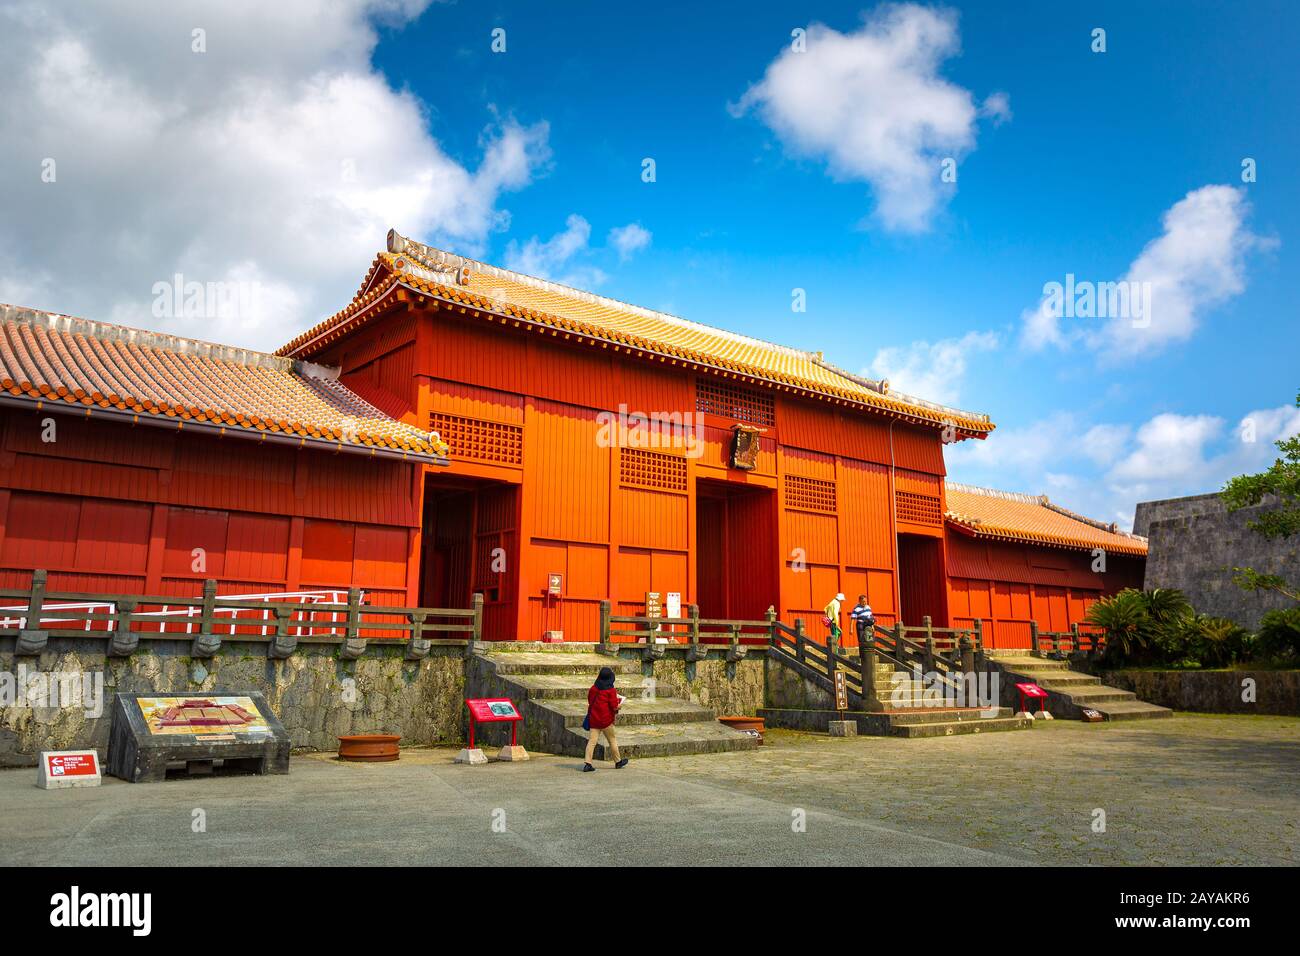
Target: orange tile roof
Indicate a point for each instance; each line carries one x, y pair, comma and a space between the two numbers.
464, 282
57, 361
1008, 516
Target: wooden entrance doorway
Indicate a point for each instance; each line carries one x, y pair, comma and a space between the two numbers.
470, 543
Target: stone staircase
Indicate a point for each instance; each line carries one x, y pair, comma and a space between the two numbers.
1070, 690
906, 711
909, 714
550, 687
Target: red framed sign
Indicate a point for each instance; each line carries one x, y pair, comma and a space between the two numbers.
1031, 692
493, 710
72, 764
59, 769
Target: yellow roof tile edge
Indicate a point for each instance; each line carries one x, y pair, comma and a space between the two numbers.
983, 530
371, 294
412, 444
1128, 543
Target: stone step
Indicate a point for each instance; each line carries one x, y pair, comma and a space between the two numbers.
952, 728
1130, 710
554, 663
1064, 681
1091, 696
636, 712
562, 686
934, 715
1031, 663
666, 740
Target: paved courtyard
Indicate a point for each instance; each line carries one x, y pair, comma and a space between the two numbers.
1189, 790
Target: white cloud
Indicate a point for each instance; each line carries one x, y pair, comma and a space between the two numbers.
1168, 446
1196, 263
1014, 455
997, 107
1104, 444
539, 258
275, 162
554, 258
1109, 468
874, 106
629, 239
565, 256
931, 370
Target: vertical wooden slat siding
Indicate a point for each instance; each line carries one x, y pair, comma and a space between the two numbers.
117, 507
1006, 585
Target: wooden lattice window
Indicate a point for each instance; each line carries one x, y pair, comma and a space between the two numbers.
734, 402
809, 494
918, 509
480, 440
651, 469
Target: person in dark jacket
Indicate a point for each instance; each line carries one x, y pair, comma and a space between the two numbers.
603, 702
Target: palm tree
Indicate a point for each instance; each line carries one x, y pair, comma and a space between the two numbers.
1216, 641
1166, 607
1124, 618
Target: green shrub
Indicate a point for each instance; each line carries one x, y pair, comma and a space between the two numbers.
1278, 637
1123, 617
1213, 641
1161, 628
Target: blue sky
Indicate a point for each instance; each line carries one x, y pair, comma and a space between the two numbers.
775, 170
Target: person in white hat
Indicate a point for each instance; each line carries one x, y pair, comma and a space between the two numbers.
832, 612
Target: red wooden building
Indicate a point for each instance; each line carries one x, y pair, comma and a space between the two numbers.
138, 463
1014, 558
596, 448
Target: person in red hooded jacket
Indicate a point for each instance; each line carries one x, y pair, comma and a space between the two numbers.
603, 702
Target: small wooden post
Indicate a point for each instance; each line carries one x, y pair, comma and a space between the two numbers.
979, 636
898, 641
735, 652
354, 645
1074, 634
800, 641
475, 642
867, 656
967, 647
1033, 640
417, 648
283, 644
207, 643
770, 615
124, 640
604, 645
32, 639
695, 651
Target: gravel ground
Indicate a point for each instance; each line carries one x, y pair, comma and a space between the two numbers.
1193, 789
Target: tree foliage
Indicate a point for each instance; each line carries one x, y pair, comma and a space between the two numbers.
1280, 483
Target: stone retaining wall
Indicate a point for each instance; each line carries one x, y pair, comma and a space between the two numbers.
1215, 692
725, 688
1194, 543
316, 695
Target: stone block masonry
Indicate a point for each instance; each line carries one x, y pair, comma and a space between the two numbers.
1194, 545
1216, 692
317, 695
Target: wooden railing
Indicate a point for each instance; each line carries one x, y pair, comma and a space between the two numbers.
280, 621
944, 655
822, 659
697, 634
1087, 639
